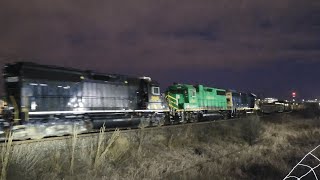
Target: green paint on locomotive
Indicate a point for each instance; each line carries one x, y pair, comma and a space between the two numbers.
190, 98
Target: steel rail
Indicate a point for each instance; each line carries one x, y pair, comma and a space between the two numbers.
130, 129
111, 130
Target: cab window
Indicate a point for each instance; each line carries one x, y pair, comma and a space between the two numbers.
193, 93
221, 93
155, 90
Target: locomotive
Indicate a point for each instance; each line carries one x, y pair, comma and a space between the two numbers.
51, 101
190, 103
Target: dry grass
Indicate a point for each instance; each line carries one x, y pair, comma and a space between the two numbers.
102, 152
211, 151
279, 148
5, 156
74, 142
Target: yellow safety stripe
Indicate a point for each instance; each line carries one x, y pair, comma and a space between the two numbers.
172, 102
173, 107
168, 96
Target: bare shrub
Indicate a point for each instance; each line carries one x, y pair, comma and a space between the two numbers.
73, 147
311, 111
141, 136
119, 147
25, 160
56, 162
188, 135
101, 151
100, 140
170, 141
251, 129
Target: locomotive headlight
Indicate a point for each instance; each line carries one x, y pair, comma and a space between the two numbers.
33, 105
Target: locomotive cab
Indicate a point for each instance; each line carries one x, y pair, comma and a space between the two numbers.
150, 95
182, 97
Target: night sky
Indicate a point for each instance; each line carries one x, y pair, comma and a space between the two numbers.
269, 47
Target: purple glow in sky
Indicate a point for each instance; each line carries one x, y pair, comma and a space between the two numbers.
269, 47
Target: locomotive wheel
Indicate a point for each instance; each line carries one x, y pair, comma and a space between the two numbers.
161, 122
195, 118
183, 118
144, 122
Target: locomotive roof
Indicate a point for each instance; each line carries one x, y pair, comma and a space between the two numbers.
34, 70
177, 86
241, 92
31, 65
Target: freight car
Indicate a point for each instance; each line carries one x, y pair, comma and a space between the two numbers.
49, 100
275, 107
193, 103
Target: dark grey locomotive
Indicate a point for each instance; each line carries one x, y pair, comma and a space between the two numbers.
49, 93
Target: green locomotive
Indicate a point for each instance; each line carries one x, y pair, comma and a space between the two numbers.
193, 103
188, 102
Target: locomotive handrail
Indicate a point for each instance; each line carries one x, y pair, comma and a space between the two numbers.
171, 97
172, 102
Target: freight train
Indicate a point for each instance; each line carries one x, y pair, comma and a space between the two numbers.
51, 101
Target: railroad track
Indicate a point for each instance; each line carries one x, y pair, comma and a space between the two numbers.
127, 130
111, 130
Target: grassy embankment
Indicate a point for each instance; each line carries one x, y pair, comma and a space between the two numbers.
254, 148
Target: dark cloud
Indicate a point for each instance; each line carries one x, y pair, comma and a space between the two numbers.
154, 37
